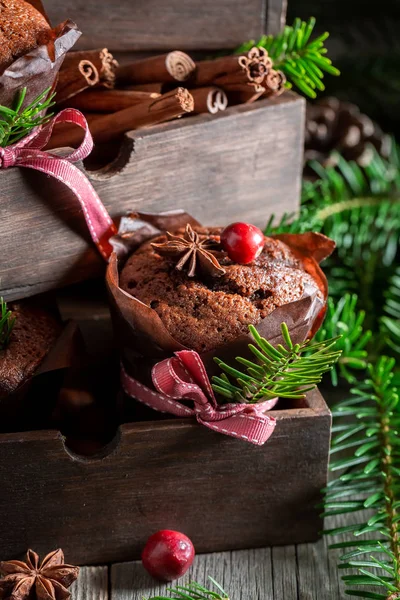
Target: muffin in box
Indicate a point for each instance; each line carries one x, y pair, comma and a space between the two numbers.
174, 287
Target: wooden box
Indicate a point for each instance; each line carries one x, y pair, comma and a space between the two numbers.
244, 163
223, 493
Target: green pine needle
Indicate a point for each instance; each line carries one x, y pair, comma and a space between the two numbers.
301, 59
360, 210
343, 319
7, 322
194, 591
17, 122
368, 477
283, 371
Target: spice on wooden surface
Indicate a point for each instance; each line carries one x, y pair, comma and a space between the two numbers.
207, 71
174, 66
274, 83
105, 128
209, 99
47, 580
243, 93
109, 101
85, 69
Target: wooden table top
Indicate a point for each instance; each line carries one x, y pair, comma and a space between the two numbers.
302, 572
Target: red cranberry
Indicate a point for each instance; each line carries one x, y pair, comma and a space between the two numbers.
243, 242
167, 555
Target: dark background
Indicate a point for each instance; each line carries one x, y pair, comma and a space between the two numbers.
365, 45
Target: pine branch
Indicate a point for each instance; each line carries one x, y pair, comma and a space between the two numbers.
286, 372
194, 591
7, 322
17, 122
369, 482
344, 320
360, 210
301, 59
390, 321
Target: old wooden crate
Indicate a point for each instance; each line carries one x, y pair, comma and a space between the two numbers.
244, 163
157, 25
223, 493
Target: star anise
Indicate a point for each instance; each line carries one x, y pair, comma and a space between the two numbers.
47, 581
192, 251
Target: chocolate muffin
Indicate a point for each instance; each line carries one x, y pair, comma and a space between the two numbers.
33, 335
22, 28
204, 312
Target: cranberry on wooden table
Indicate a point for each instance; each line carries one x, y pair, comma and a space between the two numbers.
167, 555
242, 242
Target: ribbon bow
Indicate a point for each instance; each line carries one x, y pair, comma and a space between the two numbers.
29, 153
184, 377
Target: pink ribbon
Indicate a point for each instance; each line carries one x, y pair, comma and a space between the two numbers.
184, 377
29, 153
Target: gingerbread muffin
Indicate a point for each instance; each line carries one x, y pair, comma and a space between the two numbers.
22, 28
33, 335
201, 307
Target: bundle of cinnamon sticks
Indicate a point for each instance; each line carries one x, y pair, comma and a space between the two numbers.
117, 99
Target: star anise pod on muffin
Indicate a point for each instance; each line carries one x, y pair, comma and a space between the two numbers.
191, 251
48, 580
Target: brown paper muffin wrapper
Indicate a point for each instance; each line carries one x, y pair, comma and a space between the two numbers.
143, 338
38, 69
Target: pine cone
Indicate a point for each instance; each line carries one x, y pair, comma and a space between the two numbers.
333, 125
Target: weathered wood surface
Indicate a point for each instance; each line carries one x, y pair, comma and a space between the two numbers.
165, 474
244, 164
302, 572
176, 24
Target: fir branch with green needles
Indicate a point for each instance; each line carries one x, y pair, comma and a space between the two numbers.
303, 60
367, 424
343, 319
18, 121
7, 322
390, 321
360, 210
284, 372
194, 591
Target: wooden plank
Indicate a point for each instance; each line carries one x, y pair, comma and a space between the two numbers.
164, 474
159, 25
244, 164
92, 584
276, 16
245, 574
303, 572
284, 571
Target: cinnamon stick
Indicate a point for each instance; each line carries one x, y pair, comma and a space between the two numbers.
84, 69
209, 100
155, 88
174, 66
274, 83
247, 68
105, 128
244, 93
207, 71
108, 101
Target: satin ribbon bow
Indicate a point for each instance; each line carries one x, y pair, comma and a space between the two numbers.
29, 153
184, 377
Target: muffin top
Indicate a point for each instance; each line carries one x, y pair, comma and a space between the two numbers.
22, 28
204, 312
